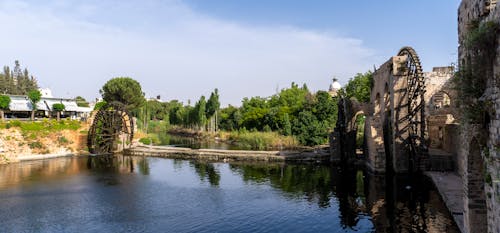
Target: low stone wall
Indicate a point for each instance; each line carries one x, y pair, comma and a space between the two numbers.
228, 155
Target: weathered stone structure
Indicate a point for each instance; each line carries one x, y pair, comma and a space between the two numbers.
395, 120
461, 130
442, 118
479, 148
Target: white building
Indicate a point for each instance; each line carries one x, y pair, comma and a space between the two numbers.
334, 88
20, 107
46, 92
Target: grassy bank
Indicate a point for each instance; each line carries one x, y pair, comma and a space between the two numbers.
261, 140
251, 140
19, 138
44, 126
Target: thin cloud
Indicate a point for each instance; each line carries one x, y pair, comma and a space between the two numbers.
74, 48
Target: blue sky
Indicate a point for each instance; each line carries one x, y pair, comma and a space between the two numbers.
181, 49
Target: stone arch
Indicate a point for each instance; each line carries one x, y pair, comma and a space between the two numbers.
359, 125
475, 193
441, 100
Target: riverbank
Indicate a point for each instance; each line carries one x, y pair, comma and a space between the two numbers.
450, 186
319, 155
20, 141
251, 140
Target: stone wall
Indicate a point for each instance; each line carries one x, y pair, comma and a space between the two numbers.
480, 144
379, 105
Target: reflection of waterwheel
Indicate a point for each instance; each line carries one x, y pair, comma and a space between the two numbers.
112, 125
410, 126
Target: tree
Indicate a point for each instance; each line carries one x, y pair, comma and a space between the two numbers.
125, 90
34, 96
198, 114
81, 102
213, 106
58, 107
308, 130
4, 105
229, 118
325, 107
175, 112
287, 126
360, 87
17, 81
99, 105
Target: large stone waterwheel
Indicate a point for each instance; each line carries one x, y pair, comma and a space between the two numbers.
112, 128
410, 110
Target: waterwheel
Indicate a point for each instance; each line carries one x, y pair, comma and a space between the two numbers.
112, 125
410, 111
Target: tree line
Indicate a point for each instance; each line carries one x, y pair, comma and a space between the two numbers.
294, 111
17, 81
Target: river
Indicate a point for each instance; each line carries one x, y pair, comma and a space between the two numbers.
142, 194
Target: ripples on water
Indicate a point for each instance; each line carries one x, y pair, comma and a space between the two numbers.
135, 194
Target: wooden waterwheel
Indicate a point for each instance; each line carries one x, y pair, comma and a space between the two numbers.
410, 123
112, 125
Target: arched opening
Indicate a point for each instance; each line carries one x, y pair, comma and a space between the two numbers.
476, 209
360, 130
441, 100
357, 138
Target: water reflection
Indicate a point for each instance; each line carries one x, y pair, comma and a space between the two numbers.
360, 201
207, 171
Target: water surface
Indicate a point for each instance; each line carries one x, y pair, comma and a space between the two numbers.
137, 194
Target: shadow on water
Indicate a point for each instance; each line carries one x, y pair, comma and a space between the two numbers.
394, 204
363, 200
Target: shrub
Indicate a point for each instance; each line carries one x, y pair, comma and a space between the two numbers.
62, 140
35, 145
146, 141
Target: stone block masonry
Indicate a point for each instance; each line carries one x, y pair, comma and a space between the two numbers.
479, 152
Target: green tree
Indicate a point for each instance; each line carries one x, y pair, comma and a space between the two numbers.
198, 113
125, 90
81, 102
360, 87
287, 126
213, 106
4, 105
156, 110
99, 105
175, 112
229, 118
308, 130
9, 86
325, 107
253, 112
58, 108
34, 96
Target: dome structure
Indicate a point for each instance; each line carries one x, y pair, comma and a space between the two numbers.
334, 87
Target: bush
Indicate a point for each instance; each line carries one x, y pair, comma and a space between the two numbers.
151, 139
146, 141
62, 140
35, 145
